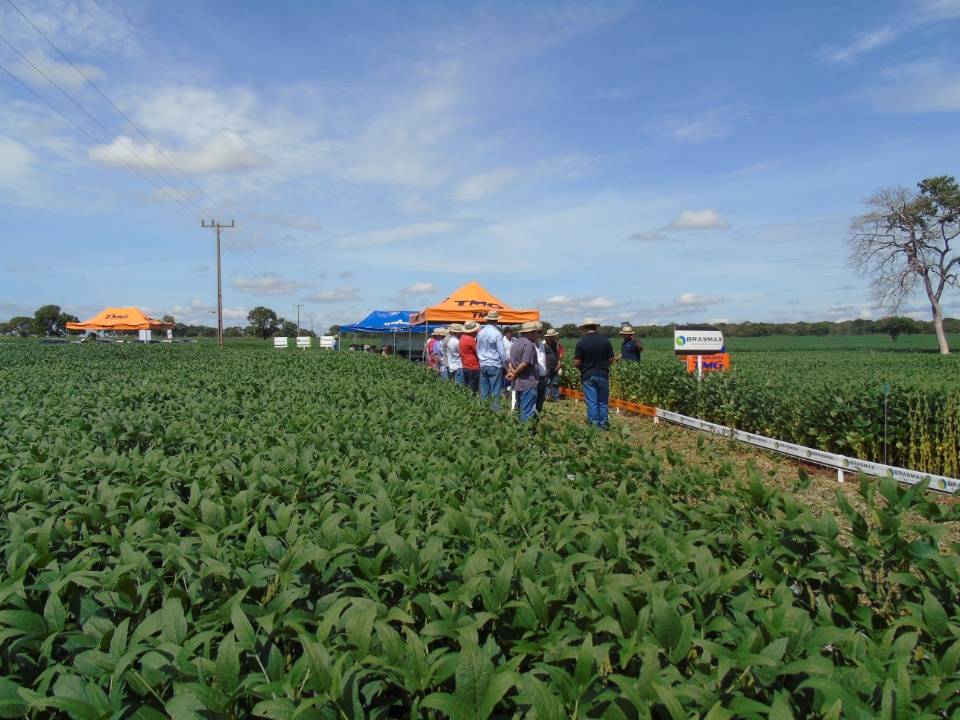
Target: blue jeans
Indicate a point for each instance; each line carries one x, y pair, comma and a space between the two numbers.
553, 380
596, 393
527, 403
491, 384
457, 376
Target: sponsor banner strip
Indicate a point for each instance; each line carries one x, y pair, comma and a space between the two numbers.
853, 465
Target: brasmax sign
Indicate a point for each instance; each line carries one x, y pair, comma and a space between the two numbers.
697, 340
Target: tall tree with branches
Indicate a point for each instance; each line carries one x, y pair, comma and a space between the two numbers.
903, 243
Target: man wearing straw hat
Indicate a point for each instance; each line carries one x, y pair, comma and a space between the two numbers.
492, 352
468, 354
452, 349
592, 357
524, 371
631, 348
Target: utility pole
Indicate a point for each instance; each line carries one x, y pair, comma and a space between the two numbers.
312, 333
217, 225
299, 305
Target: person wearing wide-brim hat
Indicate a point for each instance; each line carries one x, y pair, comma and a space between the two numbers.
439, 353
451, 346
553, 351
523, 370
468, 354
631, 348
493, 354
592, 357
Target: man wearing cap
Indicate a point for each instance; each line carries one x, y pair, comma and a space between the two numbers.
452, 349
592, 357
631, 348
523, 371
468, 354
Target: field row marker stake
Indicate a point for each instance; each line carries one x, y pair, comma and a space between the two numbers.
840, 478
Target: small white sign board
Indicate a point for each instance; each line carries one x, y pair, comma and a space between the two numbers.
697, 340
281, 342
304, 342
146, 335
327, 341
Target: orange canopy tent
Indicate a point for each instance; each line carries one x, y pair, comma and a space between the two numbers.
120, 319
471, 302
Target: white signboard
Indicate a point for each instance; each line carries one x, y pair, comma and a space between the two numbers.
304, 342
281, 342
697, 340
327, 341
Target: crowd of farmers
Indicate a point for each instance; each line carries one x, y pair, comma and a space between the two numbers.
525, 361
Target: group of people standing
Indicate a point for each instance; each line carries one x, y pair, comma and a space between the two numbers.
489, 362
479, 355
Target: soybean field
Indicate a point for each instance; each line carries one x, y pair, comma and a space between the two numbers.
195, 533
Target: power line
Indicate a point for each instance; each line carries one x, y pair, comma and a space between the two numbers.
70, 120
119, 111
234, 251
109, 132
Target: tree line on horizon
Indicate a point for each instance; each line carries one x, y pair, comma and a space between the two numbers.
50, 321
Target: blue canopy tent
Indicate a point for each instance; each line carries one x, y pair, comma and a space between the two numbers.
387, 321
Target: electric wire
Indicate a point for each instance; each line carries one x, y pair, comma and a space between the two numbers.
234, 251
118, 110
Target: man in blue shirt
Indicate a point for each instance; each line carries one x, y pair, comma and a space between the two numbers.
492, 353
592, 357
631, 348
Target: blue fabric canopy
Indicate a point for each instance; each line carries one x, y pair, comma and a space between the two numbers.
384, 321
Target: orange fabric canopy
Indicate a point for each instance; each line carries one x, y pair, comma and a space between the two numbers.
120, 319
471, 302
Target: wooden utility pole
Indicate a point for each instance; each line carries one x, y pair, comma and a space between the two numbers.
299, 305
203, 223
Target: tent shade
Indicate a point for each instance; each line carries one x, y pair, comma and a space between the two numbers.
128, 318
382, 321
472, 302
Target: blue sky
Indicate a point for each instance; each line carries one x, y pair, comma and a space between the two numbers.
646, 162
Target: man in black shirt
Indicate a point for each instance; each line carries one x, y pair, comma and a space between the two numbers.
592, 357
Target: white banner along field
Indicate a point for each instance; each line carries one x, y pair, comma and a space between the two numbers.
840, 462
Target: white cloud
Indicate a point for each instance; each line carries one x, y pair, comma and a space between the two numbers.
379, 238
421, 287
16, 165
566, 306
222, 152
916, 89
480, 186
266, 285
648, 235
288, 221
341, 294
699, 220
711, 125
865, 43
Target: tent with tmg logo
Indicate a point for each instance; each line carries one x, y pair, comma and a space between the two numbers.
128, 318
472, 302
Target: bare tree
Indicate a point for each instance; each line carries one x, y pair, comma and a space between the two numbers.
903, 242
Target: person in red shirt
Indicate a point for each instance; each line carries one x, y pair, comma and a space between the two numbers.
468, 354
